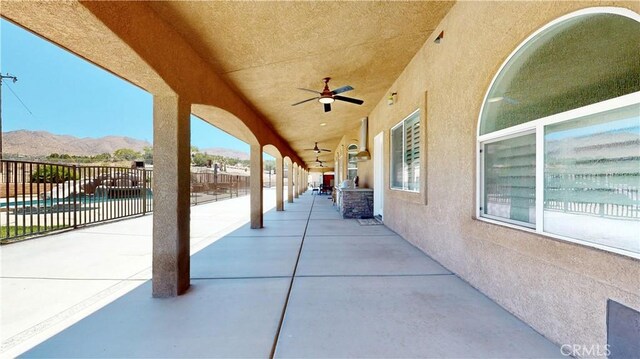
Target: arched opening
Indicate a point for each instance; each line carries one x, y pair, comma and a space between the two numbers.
225, 121
559, 133
274, 171
269, 157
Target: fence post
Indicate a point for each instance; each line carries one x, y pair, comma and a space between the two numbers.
144, 191
75, 196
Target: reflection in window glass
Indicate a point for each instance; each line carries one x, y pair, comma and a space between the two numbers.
510, 179
592, 178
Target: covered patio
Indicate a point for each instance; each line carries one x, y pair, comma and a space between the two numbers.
308, 284
478, 126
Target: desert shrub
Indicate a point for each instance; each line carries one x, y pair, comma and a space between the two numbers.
52, 174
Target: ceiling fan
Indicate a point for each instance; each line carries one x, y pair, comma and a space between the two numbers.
318, 161
316, 149
327, 96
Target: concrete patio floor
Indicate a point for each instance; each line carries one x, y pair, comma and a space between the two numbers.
51, 282
356, 291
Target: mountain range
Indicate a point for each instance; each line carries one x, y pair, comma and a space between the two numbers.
43, 143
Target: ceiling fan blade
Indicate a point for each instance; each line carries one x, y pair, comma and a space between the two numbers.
324, 150
307, 100
342, 89
349, 99
327, 107
314, 91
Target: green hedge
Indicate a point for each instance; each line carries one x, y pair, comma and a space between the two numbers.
53, 174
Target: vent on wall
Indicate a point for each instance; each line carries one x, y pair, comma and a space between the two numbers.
363, 155
623, 331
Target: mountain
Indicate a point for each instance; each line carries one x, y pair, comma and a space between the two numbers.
42, 143
225, 152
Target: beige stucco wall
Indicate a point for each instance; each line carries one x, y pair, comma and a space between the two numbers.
559, 288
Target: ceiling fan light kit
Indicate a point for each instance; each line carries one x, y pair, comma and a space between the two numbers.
326, 100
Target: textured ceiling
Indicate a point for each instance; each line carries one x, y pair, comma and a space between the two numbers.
266, 50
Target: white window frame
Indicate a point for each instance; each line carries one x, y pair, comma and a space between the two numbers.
538, 126
404, 171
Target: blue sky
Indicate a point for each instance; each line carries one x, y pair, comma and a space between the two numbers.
68, 95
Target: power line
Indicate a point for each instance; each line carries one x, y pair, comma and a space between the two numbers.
18, 97
2, 77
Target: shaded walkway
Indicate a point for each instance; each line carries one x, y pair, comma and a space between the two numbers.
358, 291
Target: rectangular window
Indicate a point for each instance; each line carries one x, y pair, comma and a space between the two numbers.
405, 154
573, 175
592, 178
510, 179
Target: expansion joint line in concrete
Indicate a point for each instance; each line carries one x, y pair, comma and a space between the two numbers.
293, 277
371, 275
80, 279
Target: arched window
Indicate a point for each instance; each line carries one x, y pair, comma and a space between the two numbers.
352, 164
559, 133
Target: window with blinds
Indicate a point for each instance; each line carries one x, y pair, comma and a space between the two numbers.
559, 133
510, 180
405, 154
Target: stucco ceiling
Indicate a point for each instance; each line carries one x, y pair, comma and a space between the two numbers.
266, 50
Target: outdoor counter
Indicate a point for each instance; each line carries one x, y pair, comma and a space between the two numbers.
355, 202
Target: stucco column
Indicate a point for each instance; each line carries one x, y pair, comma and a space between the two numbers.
296, 180
171, 178
279, 184
301, 180
255, 186
290, 182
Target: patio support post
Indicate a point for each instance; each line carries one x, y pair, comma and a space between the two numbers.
256, 186
290, 181
301, 180
279, 184
171, 155
296, 180
298, 189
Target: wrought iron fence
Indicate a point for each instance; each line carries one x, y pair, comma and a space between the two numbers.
208, 187
37, 198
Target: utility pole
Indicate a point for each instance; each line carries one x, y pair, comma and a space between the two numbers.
2, 77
